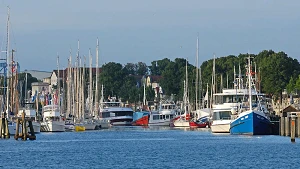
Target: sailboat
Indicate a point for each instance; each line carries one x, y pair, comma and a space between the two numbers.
251, 119
184, 120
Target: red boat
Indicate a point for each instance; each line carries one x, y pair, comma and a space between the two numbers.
194, 124
141, 121
201, 123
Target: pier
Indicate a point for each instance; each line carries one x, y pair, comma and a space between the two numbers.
290, 125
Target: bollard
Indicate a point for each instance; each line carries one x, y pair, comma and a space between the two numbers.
298, 126
282, 126
293, 126
287, 126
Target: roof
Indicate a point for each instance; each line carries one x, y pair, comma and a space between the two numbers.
64, 73
40, 75
155, 78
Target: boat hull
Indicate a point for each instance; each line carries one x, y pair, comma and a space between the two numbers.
143, 121
89, 126
79, 128
251, 123
181, 123
220, 126
197, 125
53, 126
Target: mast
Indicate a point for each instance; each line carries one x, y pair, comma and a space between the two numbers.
77, 84
83, 87
200, 89
58, 84
68, 88
144, 98
249, 81
97, 78
7, 61
90, 86
197, 55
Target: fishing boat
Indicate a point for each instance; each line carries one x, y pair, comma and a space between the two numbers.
52, 121
251, 118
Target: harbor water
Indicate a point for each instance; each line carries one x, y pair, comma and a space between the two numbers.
138, 147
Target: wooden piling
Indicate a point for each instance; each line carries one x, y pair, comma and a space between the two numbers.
4, 130
287, 126
298, 126
1, 127
293, 128
24, 133
282, 126
6, 133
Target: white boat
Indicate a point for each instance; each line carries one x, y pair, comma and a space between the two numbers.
69, 125
89, 124
113, 113
164, 116
52, 121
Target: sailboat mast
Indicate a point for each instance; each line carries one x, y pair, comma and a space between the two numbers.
97, 78
144, 98
197, 55
79, 90
8, 62
58, 84
77, 84
200, 89
91, 86
82, 88
249, 81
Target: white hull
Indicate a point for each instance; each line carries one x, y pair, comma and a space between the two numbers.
222, 126
181, 123
53, 126
159, 123
69, 127
89, 126
36, 127
103, 124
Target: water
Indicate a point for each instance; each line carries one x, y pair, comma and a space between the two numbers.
137, 147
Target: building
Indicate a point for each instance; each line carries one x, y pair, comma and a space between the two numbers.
40, 75
40, 87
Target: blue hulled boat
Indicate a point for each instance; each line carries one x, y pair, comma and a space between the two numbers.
251, 122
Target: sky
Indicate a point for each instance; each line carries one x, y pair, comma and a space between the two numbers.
131, 31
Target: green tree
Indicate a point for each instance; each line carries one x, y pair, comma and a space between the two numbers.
112, 77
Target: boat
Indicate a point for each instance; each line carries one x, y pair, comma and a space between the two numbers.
52, 121
69, 124
141, 118
225, 104
183, 120
165, 114
251, 118
89, 124
79, 127
112, 112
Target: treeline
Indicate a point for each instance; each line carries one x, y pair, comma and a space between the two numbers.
276, 71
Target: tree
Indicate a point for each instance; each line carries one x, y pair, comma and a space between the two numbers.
141, 69
112, 77
291, 86
130, 69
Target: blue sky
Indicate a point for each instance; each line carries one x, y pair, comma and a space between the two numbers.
145, 30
